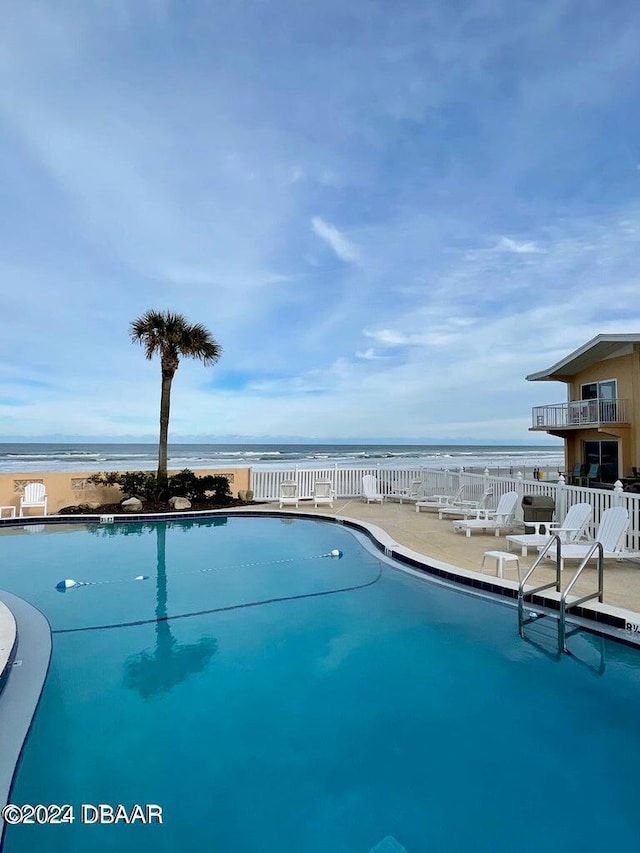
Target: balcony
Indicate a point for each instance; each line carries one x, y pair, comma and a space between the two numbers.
580, 414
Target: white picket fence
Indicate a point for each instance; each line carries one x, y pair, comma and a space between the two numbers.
347, 483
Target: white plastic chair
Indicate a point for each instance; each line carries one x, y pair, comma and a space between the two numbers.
436, 502
288, 493
323, 493
502, 517
370, 489
413, 493
34, 495
571, 530
468, 509
611, 534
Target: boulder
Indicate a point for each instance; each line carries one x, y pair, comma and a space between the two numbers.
132, 505
245, 495
179, 503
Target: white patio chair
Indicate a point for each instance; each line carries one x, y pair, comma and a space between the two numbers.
468, 509
323, 493
500, 518
34, 496
571, 530
370, 489
611, 534
436, 502
413, 493
288, 493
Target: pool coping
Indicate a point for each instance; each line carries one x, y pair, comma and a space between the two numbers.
608, 615
21, 689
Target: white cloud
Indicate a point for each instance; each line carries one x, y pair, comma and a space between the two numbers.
518, 247
392, 338
369, 355
343, 248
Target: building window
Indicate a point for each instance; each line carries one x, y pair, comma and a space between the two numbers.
604, 454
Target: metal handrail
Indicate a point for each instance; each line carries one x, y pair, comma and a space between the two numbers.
554, 538
564, 605
522, 593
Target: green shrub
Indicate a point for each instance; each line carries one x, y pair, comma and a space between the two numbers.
144, 484
219, 487
189, 485
141, 484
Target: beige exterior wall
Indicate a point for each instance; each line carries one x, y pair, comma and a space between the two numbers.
69, 489
626, 371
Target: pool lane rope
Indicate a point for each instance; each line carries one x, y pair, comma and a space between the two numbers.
258, 603
70, 583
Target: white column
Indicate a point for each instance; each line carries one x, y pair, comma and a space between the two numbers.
618, 493
520, 490
561, 499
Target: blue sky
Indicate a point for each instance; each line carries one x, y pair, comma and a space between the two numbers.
387, 213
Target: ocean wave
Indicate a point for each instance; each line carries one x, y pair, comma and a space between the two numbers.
101, 457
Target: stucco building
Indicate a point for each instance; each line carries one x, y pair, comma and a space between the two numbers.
600, 420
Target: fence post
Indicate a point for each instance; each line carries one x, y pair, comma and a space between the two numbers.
519, 514
561, 499
485, 482
618, 493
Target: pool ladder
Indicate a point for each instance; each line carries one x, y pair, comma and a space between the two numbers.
565, 605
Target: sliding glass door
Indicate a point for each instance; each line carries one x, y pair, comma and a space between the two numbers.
605, 455
603, 395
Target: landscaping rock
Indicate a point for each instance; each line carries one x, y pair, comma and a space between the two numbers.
132, 505
180, 503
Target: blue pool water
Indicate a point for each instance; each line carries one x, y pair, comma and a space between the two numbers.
395, 712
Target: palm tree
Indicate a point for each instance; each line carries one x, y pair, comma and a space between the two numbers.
171, 336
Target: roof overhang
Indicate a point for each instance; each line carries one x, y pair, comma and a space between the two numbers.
597, 349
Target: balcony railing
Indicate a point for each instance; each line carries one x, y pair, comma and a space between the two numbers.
580, 413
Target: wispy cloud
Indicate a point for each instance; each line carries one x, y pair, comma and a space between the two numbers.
370, 355
518, 247
394, 338
342, 247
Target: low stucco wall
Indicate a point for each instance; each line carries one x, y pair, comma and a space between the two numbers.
71, 488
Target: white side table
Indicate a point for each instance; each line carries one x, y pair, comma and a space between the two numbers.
501, 557
11, 509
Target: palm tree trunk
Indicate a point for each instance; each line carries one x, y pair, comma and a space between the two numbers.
165, 402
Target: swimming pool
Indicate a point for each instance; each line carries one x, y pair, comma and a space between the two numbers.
359, 709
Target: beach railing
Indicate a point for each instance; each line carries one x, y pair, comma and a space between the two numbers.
347, 483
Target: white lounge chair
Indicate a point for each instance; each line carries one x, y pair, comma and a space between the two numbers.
436, 502
288, 493
468, 509
323, 493
413, 493
34, 495
571, 530
501, 518
370, 489
611, 534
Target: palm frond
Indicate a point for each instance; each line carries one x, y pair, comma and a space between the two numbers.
171, 336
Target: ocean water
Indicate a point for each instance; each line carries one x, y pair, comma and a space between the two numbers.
28, 457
